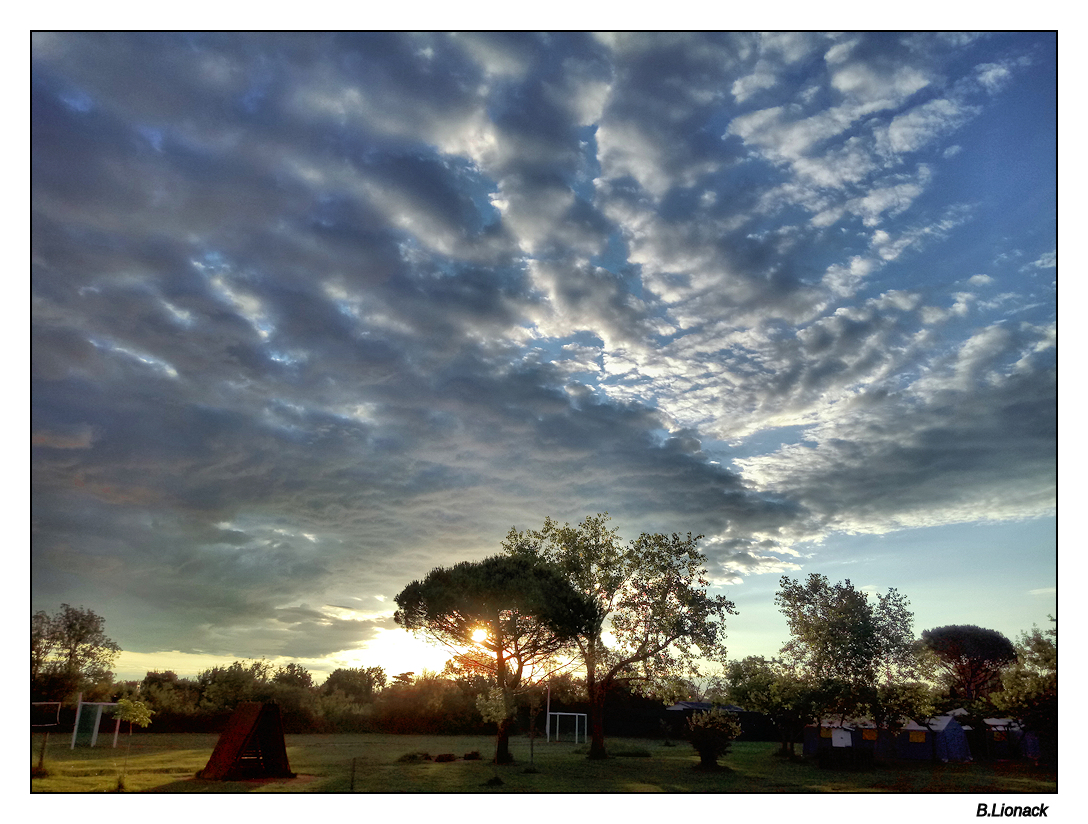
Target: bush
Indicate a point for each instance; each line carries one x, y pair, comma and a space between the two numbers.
711, 733
441, 758
414, 758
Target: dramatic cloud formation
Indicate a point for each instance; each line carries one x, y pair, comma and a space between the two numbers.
315, 313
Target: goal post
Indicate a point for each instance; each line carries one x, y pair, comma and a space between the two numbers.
580, 723
88, 718
45, 714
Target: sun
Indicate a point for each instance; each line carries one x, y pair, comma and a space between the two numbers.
479, 635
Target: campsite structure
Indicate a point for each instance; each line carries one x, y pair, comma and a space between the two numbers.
857, 741
1005, 739
252, 746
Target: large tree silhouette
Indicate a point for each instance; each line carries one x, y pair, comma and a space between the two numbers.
528, 610
971, 658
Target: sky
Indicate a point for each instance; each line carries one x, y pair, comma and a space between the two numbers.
312, 314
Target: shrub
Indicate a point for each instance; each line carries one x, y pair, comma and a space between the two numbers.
443, 757
472, 756
414, 757
711, 733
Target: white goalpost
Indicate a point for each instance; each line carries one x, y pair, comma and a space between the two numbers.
88, 718
583, 724
45, 714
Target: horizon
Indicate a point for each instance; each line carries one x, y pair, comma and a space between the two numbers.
315, 313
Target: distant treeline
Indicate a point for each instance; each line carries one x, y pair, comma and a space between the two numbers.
367, 700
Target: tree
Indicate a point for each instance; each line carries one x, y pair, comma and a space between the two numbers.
971, 658
520, 611
1030, 687
69, 652
359, 685
223, 688
769, 687
844, 643
711, 733
135, 712
651, 592
293, 675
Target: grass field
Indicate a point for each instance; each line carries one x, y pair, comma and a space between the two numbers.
168, 762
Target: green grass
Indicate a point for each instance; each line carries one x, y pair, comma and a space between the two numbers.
168, 762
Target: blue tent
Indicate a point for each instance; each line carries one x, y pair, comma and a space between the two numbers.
942, 738
1006, 739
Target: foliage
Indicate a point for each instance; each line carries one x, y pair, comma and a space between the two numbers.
222, 688
890, 704
425, 704
428, 704
970, 658
135, 712
293, 675
359, 685
1030, 687
69, 653
653, 594
771, 688
527, 608
672, 690
155, 678
845, 644
514, 599
711, 733
493, 706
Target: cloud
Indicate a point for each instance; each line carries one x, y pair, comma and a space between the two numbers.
80, 437
933, 454
914, 129
314, 313
1049, 260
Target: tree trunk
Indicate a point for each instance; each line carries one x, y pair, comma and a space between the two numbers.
708, 762
596, 722
502, 743
502, 739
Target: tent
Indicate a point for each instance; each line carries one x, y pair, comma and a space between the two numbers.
251, 746
1006, 739
702, 706
839, 743
942, 737
831, 733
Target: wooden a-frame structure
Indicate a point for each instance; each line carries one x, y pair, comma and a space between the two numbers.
251, 746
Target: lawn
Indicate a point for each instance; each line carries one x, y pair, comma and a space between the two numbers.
324, 763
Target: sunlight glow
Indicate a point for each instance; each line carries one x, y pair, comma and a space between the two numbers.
479, 635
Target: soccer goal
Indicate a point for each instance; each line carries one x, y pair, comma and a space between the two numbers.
578, 723
88, 718
44, 714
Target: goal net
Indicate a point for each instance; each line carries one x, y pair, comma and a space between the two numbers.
567, 726
45, 713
